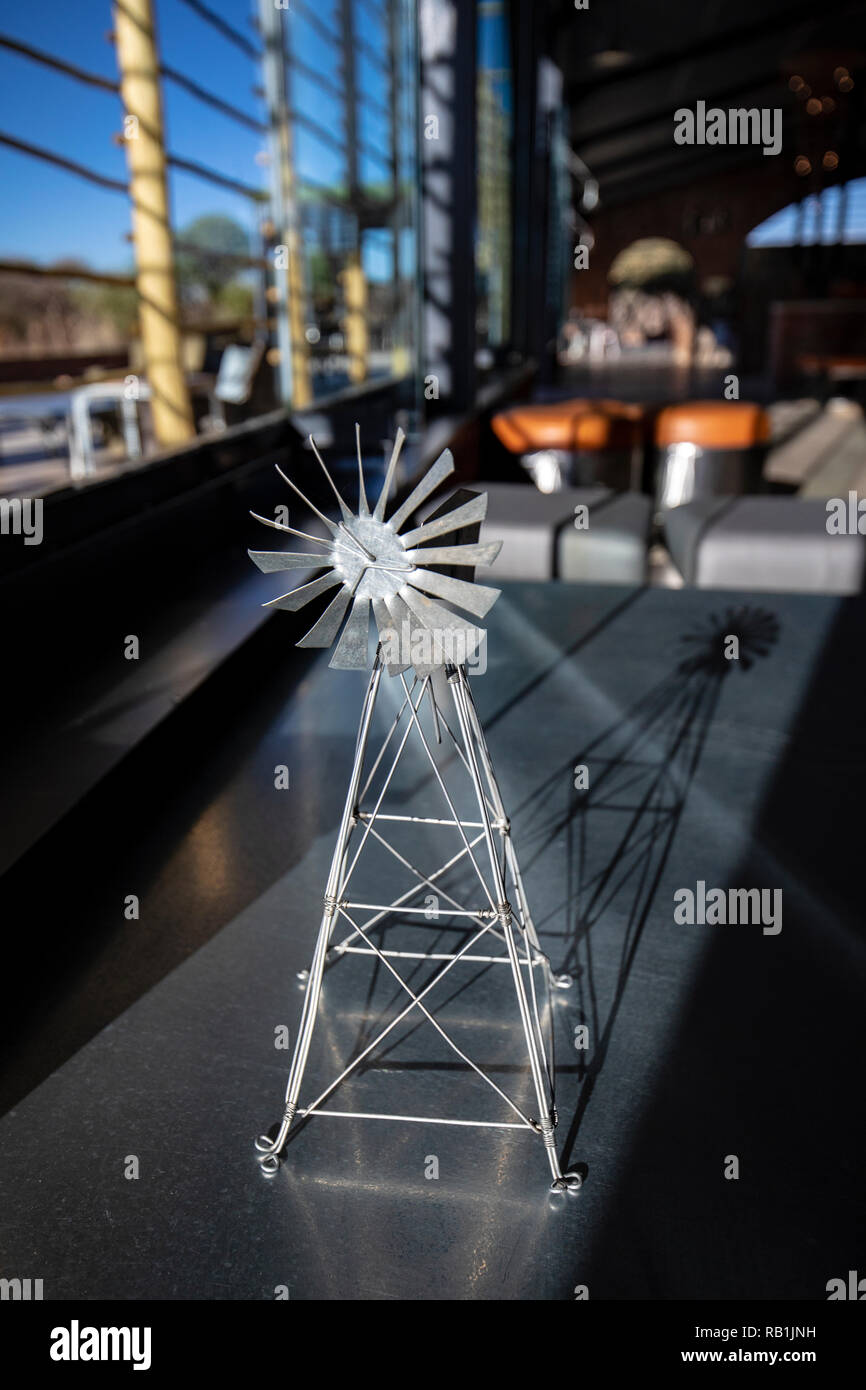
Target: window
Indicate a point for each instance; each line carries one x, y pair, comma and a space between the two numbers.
837, 214
352, 95
493, 226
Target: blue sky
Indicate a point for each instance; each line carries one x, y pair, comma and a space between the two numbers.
47, 213
493, 48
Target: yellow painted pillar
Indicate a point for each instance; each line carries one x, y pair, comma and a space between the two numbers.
302, 384
355, 322
155, 280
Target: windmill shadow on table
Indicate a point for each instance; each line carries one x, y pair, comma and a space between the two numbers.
617, 834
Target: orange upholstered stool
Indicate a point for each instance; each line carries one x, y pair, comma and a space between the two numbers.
574, 443
710, 448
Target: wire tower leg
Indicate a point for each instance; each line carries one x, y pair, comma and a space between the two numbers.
541, 1067
269, 1150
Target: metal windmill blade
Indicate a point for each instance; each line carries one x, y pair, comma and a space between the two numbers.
403, 578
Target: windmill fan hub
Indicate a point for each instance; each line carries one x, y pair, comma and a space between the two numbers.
384, 573
379, 566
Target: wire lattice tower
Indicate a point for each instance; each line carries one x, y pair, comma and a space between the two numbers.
495, 912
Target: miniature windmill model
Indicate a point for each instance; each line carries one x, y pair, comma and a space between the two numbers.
374, 563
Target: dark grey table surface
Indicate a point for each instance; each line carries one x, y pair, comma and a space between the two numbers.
705, 1041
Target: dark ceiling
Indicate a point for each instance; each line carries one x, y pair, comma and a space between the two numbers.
628, 66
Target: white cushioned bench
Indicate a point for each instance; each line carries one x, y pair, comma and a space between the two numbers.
771, 544
540, 540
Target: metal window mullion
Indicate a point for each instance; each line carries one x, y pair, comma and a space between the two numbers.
326, 136
223, 27
373, 57
313, 75
48, 60
37, 152
300, 8
203, 171
210, 98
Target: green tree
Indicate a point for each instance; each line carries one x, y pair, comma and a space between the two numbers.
206, 256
